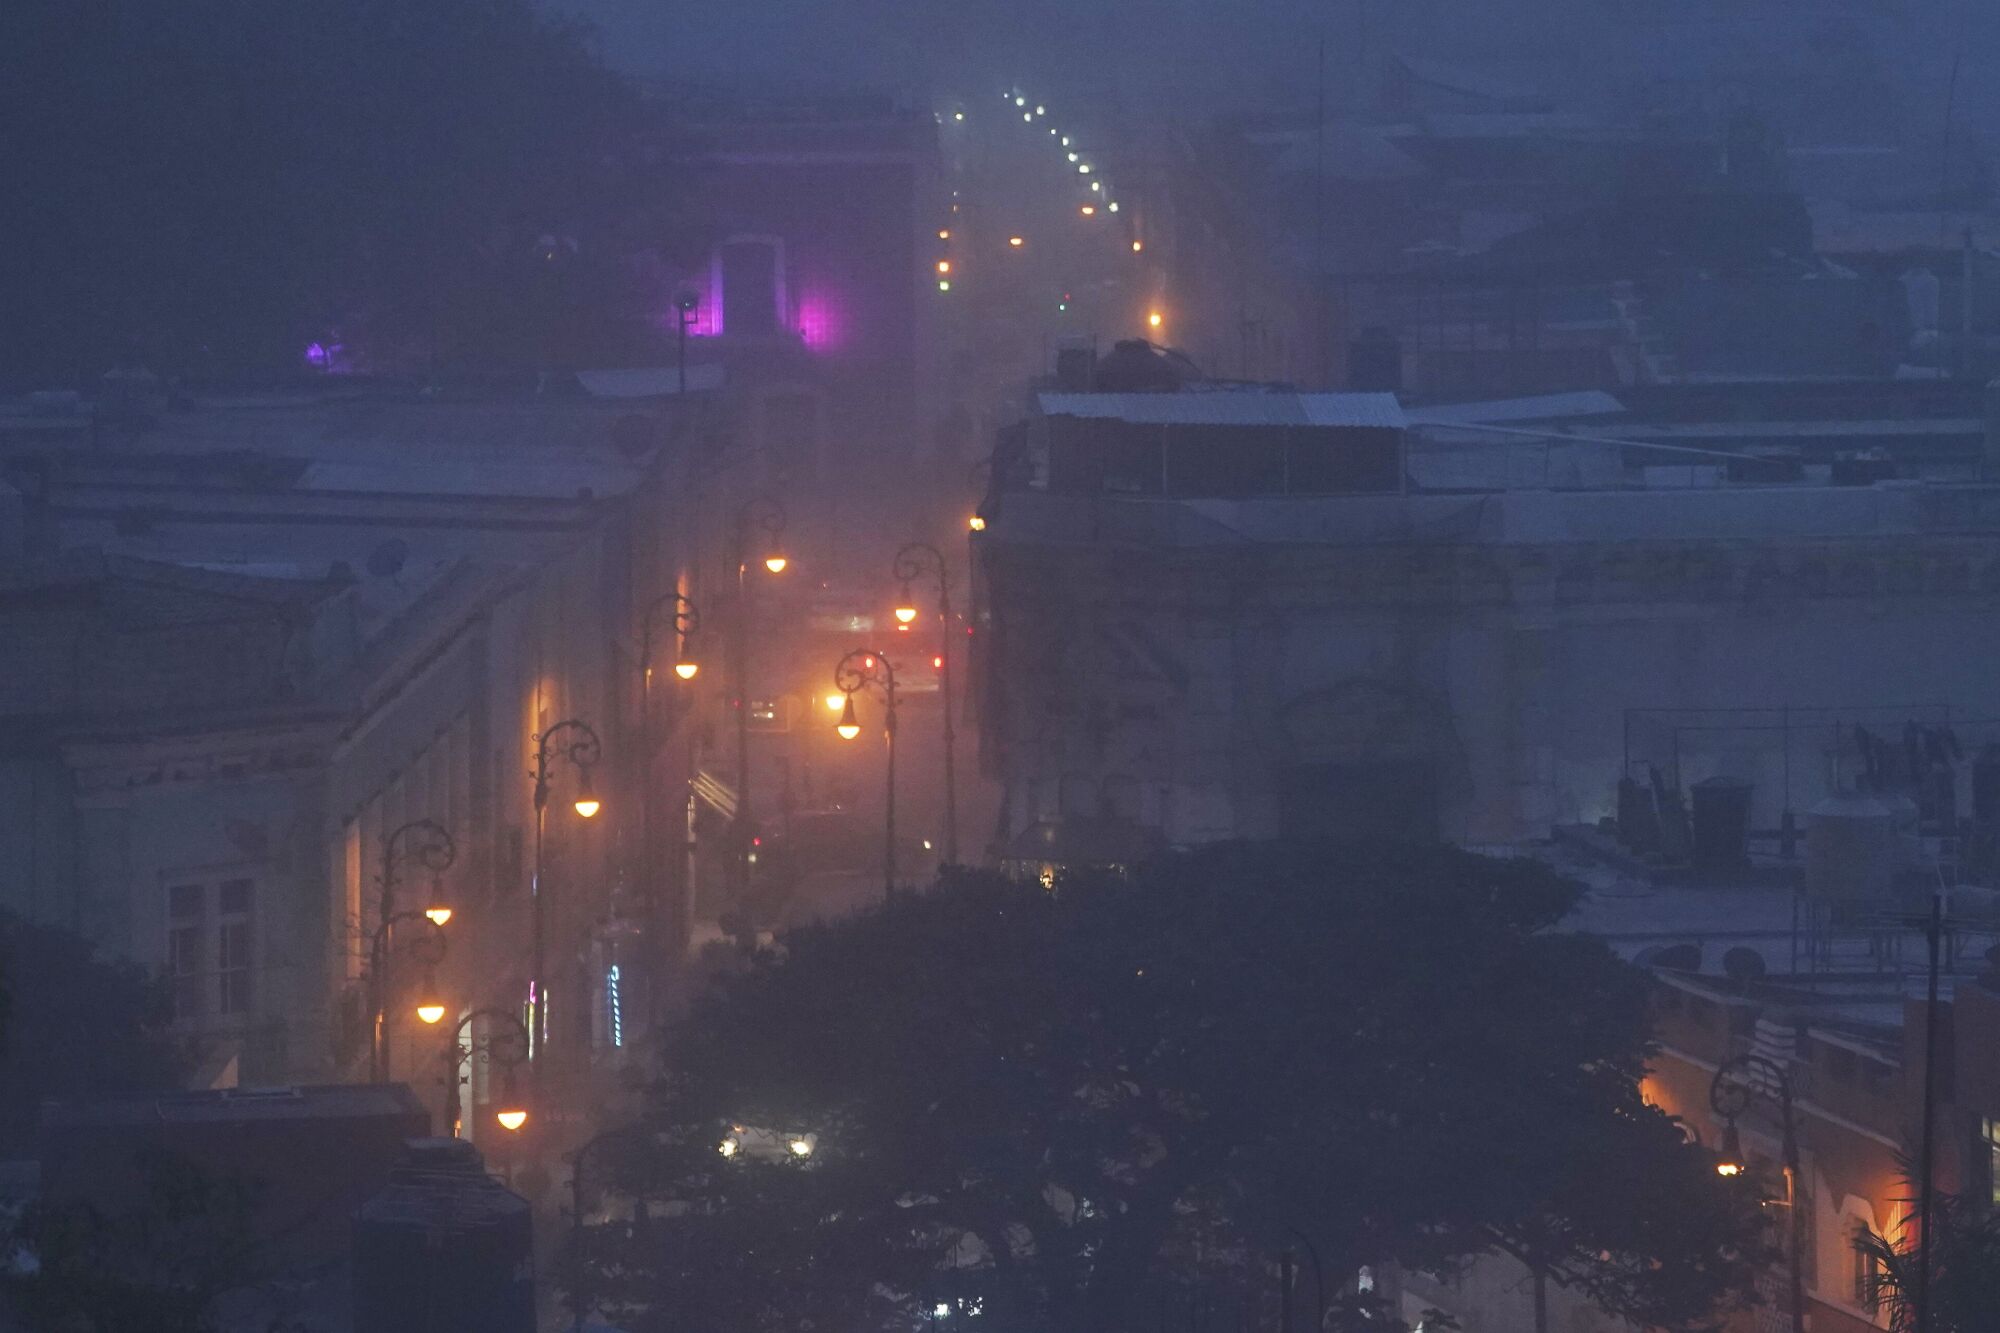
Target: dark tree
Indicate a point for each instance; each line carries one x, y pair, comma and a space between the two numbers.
1081, 1110
210, 186
75, 1025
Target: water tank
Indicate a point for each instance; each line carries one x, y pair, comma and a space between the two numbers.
444, 1248
1852, 849
1721, 823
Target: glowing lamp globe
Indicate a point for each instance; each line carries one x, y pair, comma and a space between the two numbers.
1730, 1161
906, 614
834, 701
686, 670
438, 915
511, 1118
431, 1012
848, 727
775, 563
975, 524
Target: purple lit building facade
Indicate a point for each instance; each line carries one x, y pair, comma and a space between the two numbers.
806, 240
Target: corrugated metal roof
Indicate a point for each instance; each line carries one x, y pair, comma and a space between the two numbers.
1231, 408
1540, 407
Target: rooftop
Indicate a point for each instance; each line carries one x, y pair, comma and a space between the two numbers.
333, 1101
1507, 517
1232, 407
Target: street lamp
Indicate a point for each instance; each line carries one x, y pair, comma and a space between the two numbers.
685, 306
915, 561
765, 517
857, 671
686, 619
510, 1045
676, 612
1730, 1093
429, 948
579, 744
430, 1006
430, 845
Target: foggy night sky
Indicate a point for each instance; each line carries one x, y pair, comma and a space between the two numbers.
1857, 69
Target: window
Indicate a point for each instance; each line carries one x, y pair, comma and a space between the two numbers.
202, 983
233, 947
184, 937
1866, 1272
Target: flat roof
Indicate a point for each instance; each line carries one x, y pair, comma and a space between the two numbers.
327, 1101
1538, 407
1231, 407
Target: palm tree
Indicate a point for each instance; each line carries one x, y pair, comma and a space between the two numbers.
1964, 1290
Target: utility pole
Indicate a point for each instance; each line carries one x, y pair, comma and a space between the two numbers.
1321, 305
1927, 1143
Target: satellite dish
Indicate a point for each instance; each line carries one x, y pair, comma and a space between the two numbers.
387, 560
1743, 964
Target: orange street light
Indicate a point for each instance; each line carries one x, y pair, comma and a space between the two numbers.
587, 803
1730, 1160
849, 726
429, 1007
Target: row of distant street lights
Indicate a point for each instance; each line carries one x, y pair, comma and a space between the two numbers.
1089, 208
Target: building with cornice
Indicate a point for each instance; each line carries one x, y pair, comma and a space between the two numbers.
1224, 613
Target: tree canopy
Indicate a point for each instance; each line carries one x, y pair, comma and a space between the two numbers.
73, 1024
1084, 1109
212, 186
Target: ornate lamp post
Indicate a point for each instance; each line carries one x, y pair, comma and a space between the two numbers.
856, 672
430, 950
913, 562
578, 744
1729, 1095
685, 620
508, 1044
429, 844
765, 517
